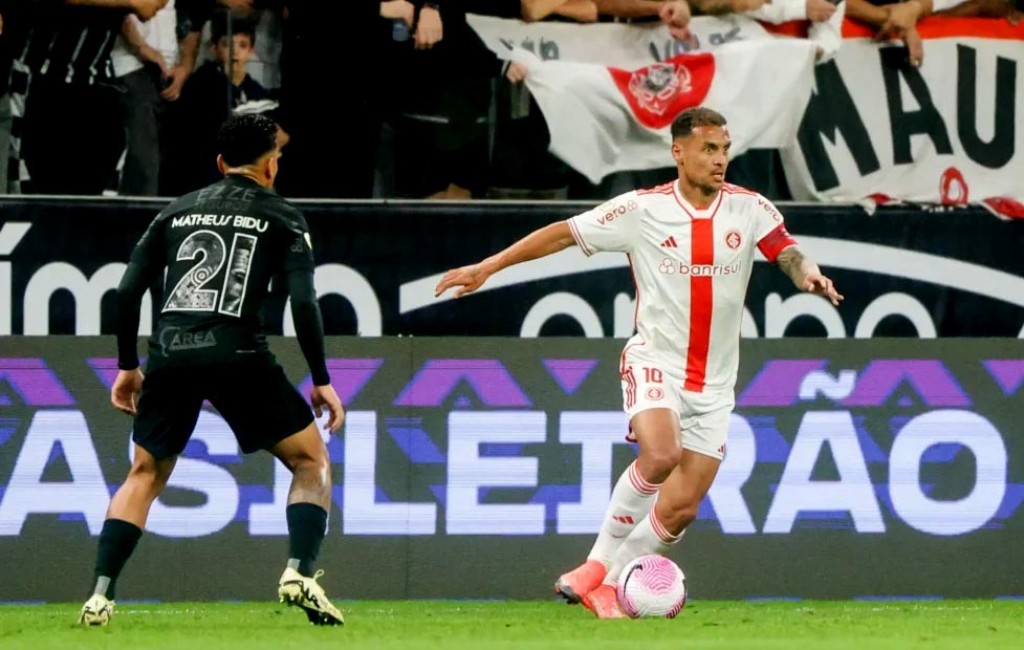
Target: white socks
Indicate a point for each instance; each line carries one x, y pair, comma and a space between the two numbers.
648, 537
632, 497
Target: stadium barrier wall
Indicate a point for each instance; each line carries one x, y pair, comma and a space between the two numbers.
480, 468
906, 271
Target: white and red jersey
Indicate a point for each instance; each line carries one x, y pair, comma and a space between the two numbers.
691, 268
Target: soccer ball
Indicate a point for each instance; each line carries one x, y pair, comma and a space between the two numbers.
652, 586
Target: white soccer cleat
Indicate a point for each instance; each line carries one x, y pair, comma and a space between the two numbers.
301, 591
96, 611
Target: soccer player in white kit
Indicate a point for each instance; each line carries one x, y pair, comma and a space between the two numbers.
690, 246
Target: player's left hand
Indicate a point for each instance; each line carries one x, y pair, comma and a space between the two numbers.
124, 394
467, 278
822, 286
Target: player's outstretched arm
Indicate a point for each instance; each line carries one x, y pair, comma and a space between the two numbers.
805, 274
309, 330
545, 241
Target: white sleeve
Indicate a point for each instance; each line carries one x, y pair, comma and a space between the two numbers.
611, 226
770, 229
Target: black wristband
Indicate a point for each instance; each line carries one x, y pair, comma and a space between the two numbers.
321, 377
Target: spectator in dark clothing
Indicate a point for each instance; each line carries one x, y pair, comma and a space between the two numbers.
66, 56
216, 90
333, 48
6, 118
440, 113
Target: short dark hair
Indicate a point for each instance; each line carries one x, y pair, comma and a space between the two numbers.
691, 118
244, 139
219, 27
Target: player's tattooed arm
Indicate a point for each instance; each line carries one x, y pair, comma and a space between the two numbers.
791, 262
805, 274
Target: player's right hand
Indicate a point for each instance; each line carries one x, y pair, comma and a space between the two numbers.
325, 396
124, 394
467, 278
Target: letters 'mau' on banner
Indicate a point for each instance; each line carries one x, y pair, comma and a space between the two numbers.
864, 123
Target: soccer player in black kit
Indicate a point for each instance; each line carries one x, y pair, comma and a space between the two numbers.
221, 246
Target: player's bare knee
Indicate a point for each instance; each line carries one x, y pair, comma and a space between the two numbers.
687, 515
150, 472
656, 464
675, 516
311, 462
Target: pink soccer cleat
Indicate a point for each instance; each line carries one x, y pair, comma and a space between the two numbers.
604, 602
575, 585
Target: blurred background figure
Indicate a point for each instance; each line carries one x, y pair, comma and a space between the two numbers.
217, 89
66, 67
439, 119
898, 20
6, 119
332, 146
145, 58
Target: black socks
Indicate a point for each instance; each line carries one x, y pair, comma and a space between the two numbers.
117, 542
307, 524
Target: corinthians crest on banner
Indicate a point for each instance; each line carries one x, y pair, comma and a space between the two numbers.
605, 119
661, 91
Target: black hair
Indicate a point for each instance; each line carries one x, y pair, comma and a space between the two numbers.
244, 139
691, 118
219, 27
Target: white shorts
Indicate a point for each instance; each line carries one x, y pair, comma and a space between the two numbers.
703, 417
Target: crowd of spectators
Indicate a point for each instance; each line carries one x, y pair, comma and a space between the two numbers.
392, 98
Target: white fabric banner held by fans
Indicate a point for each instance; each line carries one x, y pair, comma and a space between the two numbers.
948, 131
604, 119
624, 45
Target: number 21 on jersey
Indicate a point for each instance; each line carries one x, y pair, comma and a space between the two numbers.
206, 248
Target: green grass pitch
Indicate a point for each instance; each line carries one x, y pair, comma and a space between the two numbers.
454, 625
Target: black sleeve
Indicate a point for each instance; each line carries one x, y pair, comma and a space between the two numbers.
309, 327
146, 263
192, 15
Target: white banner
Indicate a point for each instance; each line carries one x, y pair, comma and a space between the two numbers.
624, 45
874, 127
946, 131
605, 119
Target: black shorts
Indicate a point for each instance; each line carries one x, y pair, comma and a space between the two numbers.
255, 398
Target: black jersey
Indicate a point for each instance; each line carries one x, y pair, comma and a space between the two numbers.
221, 246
